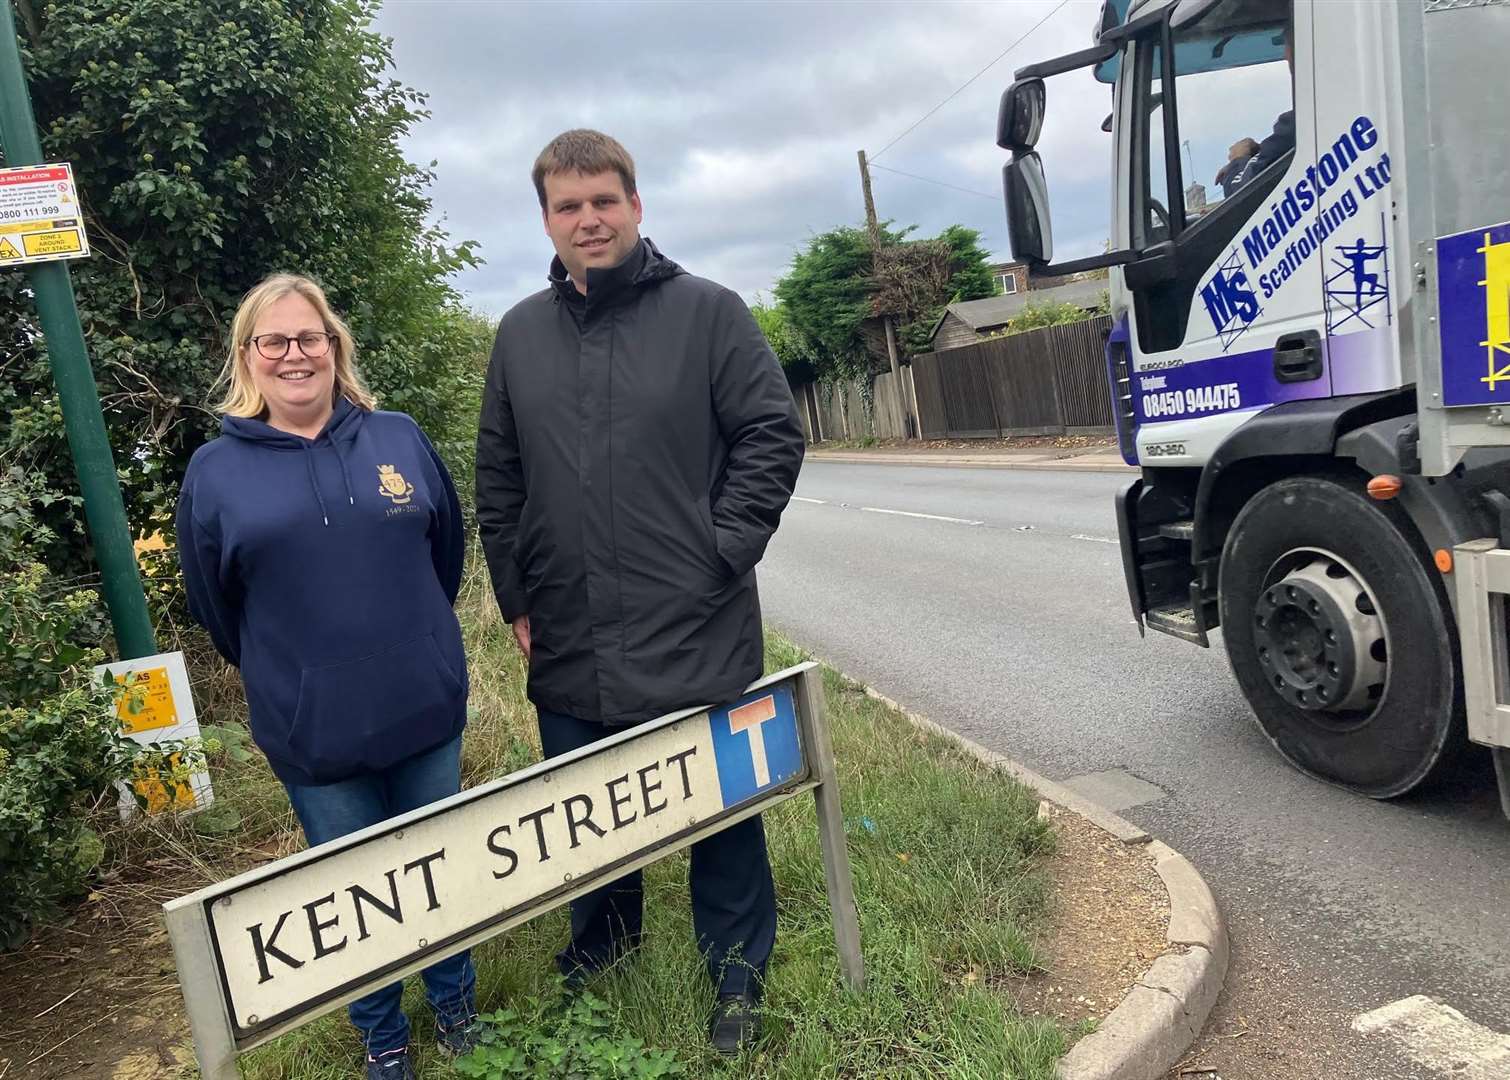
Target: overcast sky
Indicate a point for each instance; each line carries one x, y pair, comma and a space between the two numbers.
743, 119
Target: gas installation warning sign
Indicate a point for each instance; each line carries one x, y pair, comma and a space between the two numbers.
40, 217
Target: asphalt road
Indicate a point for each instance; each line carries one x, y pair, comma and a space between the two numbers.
1016, 632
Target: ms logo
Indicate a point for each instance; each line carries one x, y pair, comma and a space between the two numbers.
1230, 301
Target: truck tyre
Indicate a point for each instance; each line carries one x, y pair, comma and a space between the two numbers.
1340, 636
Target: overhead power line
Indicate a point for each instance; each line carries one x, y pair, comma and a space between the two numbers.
967, 82
940, 183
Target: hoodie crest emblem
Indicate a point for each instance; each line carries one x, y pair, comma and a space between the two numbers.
392, 484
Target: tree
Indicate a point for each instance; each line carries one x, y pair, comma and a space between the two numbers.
838, 290
216, 141
967, 267
827, 297
787, 342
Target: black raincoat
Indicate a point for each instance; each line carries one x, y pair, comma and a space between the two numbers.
636, 450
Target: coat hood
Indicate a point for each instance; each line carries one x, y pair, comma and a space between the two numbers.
610, 285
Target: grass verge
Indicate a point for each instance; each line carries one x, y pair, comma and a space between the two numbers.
947, 865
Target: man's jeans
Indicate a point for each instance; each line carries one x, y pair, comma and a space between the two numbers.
331, 810
733, 898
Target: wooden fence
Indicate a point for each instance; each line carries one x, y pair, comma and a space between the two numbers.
839, 410
1043, 382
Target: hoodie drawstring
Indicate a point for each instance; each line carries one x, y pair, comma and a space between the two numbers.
342, 428
309, 463
345, 472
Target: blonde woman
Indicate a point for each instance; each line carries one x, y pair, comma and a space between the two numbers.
321, 543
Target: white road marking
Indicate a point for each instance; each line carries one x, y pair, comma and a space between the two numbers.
943, 517
930, 517
1439, 1038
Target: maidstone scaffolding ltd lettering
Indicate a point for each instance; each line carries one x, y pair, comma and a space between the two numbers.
1299, 220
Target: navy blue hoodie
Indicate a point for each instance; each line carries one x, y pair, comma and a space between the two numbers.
326, 569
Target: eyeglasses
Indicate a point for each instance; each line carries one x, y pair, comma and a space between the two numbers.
312, 343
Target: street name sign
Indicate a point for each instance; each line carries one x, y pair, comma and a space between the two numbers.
40, 216
271, 949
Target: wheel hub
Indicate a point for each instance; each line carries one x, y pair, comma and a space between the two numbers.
1320, 639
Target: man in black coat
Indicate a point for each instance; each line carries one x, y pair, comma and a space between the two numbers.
638, 444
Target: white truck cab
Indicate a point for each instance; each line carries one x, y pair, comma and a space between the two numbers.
1310, 355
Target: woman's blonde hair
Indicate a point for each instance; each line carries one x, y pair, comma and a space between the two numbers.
241, 396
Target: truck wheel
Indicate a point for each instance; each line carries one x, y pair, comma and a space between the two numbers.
1341, 637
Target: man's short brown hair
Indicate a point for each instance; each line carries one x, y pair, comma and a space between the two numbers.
585, 151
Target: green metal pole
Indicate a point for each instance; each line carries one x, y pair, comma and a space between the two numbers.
71, 371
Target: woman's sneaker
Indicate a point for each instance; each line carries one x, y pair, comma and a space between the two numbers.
394, 1065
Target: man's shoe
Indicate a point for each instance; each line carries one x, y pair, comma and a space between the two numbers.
735, 1023
460, 1038
394, 1065
578, 971
574, 981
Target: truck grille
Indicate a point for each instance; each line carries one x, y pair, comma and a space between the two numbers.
1119, 371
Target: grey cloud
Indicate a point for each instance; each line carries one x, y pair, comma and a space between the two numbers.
744, 119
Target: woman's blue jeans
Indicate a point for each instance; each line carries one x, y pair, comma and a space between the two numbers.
330, 810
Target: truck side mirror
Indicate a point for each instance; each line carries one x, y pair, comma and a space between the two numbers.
1019, 119
1109, 19
1027, 196
1189, 12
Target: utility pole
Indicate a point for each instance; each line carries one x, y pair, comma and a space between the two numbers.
870, 203
904, 407
93, 462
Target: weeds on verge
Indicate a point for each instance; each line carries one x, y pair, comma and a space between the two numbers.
551, 1039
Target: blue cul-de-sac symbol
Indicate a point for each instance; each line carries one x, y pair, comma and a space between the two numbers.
1230, 300
755, 743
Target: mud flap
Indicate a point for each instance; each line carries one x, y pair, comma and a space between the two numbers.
1482, 570
1127, 533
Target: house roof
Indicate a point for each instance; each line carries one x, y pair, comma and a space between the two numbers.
996, 311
